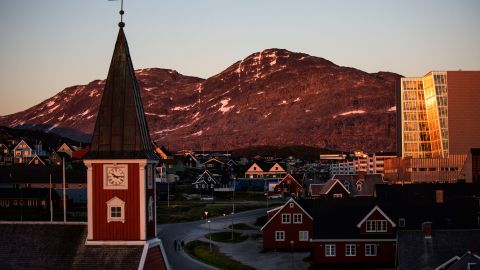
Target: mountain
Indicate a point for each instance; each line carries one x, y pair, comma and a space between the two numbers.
274, 97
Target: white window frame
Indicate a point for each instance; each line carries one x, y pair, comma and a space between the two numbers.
376, 226
338, 195
297, 218
330, 250
291, 205
350, 250
303, 236
286, 218
279, 235
370, 250
115, 202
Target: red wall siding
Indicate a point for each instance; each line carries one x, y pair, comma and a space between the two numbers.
291, 231
385, 253
130, 230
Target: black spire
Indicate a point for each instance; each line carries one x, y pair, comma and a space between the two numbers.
121, 130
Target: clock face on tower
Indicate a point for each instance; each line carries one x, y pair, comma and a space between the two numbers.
115, 176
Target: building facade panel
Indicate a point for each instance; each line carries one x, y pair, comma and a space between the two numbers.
116, 230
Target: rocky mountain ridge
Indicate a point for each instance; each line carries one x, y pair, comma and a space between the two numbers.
274, 97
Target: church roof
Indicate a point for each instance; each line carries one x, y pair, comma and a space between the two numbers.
121, 130
55, 246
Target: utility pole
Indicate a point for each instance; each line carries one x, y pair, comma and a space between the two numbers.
50, 197
64, 193
233, 204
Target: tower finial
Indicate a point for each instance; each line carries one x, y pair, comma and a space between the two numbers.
121, 23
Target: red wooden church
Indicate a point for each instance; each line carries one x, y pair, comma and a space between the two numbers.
121, 229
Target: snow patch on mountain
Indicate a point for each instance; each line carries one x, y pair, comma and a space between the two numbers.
172, 129
297, 99
198, 133
148, 89
183, 108
51, 128
392, 109
50, 103
350, 112
224, 108
85, 112
53, 109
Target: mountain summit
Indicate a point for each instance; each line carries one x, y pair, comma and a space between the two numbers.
274, 97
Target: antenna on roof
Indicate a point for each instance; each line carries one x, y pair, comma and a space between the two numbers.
121, 23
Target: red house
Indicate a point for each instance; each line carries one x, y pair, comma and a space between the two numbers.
288, 226
353, 232
288, 186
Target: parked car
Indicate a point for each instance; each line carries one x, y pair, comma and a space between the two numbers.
207, 198
275, 196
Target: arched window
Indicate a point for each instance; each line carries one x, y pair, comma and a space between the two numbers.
116, 210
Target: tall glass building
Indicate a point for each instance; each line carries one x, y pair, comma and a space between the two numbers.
424, 116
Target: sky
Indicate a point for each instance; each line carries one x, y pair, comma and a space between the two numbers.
48, 45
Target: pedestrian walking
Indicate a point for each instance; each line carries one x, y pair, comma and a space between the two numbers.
175, 244
183, 244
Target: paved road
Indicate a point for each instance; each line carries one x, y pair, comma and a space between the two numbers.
188, 231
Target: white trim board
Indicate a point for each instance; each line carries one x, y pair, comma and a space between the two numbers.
354, 240
334, 183
280, 210
371, 212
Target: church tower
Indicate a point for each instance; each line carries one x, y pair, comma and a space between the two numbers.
121, 162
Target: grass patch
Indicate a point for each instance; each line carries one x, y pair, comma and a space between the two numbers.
226, 237
200, 251
241, 226
183, 211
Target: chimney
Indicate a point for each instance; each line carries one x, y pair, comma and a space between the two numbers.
439, 196
427, 229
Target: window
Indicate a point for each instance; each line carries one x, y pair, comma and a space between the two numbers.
291, 205
350, 250
286, 218
337, 195
303, 236
279, 235
297, 218
116, 210
376, 226
370, 250
14, 202
330, 250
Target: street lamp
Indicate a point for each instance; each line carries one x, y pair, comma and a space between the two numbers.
291, 244
206, 215
233, 203
210, 234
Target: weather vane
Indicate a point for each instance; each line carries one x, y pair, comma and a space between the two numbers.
121, 23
